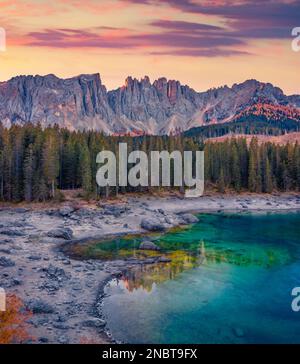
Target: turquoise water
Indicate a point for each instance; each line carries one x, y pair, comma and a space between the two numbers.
230, 281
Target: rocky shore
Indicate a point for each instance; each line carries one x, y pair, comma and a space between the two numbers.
64, 293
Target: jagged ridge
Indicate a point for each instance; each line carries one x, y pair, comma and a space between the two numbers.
139, 106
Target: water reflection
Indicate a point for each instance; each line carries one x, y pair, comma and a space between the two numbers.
148, 276
215, 239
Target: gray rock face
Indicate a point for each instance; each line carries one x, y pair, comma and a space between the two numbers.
49, 100
139, 106
167, 106
152, 225
61, 233
148, 245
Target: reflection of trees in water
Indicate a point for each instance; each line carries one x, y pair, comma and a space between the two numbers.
146, 276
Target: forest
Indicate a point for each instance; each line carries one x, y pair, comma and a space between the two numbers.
252, 124
36, 164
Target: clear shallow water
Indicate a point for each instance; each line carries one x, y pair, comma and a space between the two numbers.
230, 281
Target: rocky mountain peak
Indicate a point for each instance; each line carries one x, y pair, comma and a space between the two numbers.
82, 102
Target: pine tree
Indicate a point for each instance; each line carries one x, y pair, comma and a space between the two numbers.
28, 174
235, 168
85, 168
268, 182
51, 161
252, 171
221, 182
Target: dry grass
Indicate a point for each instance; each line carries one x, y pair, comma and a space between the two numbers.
13, 322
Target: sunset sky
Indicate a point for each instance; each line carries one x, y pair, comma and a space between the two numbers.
201, 43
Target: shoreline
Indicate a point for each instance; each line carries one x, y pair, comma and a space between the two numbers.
61, 289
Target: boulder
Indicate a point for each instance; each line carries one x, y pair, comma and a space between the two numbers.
189, 218
149, 261
148, 245
61, 233
63, 339
164, 260
56, 273
152, 225
20, 210
93, 322
37, 306
6, 262
114, 210
11, 232
66, 211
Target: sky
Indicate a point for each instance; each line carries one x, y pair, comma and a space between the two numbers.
201, 43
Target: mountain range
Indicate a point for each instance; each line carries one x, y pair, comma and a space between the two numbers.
139, 106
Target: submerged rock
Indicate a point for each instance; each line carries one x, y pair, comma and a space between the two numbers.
148, 245
238, 332
164, 260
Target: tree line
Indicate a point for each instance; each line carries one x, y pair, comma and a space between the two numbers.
252, 125
36, 163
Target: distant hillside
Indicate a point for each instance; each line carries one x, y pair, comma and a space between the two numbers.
280, 139
247, 124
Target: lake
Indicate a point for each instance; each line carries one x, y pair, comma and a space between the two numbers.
229, 281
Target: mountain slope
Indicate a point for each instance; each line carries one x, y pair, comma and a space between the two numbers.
161, 107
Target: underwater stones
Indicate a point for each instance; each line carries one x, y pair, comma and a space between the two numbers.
164, 260
149, 245
238, 332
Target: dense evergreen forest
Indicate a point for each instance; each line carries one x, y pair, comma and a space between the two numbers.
36, 163
246, 125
